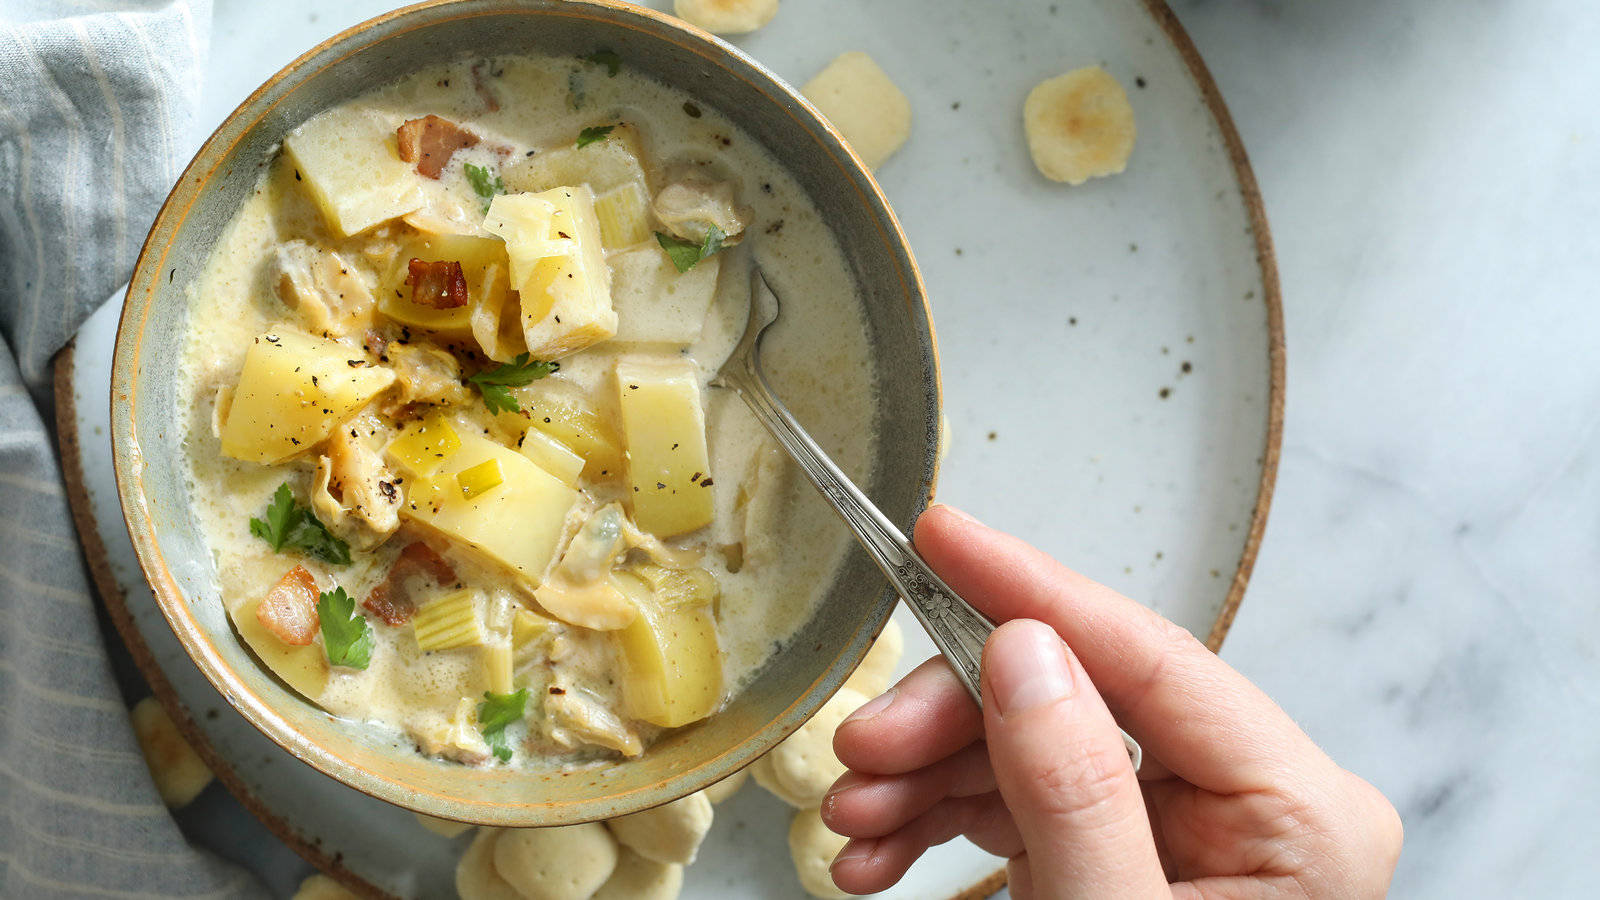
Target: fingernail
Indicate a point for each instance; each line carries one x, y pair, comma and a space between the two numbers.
963, 516
858, 848
1026, 665
872, 707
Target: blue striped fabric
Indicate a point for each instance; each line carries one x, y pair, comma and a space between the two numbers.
96, 99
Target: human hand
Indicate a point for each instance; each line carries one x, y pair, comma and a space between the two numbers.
1233, 799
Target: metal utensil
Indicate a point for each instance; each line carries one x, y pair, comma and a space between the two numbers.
958, 630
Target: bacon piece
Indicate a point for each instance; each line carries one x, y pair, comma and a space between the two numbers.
437, 285
430, 142
289, 610
491, 103
389, 600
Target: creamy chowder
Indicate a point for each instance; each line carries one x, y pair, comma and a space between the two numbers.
450, 438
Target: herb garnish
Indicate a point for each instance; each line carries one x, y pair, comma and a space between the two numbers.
593, 133
495, 713
608, 58
345, 635
485, 183
684, 254
494, 383
287, 525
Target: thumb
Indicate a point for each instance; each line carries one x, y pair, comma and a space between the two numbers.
1063, 770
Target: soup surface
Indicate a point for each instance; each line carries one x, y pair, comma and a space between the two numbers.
450, 438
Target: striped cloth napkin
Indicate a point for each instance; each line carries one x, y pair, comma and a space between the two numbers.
96, 102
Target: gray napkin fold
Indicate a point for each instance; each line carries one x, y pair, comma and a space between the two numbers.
96, 102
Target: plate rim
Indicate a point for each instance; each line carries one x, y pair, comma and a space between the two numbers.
114, 598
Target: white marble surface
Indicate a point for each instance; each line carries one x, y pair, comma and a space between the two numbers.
1425, 600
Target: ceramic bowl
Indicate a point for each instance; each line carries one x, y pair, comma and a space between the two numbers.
147, 443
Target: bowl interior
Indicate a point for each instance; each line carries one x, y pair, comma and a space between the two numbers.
148, 442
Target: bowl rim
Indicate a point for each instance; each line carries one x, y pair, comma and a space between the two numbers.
213, 158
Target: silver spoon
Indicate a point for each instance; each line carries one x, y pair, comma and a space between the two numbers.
958, 630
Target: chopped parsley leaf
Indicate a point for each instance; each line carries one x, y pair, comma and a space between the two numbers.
289, 526
346, 636
495, 383
684, 254
485, 182
593, 133
495, 713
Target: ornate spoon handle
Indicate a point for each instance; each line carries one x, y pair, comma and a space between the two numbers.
957, 629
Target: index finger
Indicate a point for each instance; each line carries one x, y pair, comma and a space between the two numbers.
1203, 720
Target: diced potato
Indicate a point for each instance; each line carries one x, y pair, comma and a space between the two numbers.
293, 391
551, 455
424, 446
624, 213
448, 622
672, 667
558, 268
497, 324
603, 165
665, 430
483, 264
570, 420
656, 303
347, 159
303, 668
518, 524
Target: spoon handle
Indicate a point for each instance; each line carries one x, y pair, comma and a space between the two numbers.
958, 630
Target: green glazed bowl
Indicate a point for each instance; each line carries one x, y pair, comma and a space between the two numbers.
147, 442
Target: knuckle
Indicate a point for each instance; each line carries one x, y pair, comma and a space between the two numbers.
1173, 644
1082, 781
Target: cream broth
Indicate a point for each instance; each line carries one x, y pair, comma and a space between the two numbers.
770, 545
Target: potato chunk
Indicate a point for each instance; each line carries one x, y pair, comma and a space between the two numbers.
568, 417
483, 267
604, 165
293, 391
347, 159
665, 430
517, 523
304, 669
656, 303
672, 665
558, 268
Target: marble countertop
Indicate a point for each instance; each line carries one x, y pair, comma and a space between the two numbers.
1424, 601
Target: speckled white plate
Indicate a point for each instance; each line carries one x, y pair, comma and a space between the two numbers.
1113, 365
